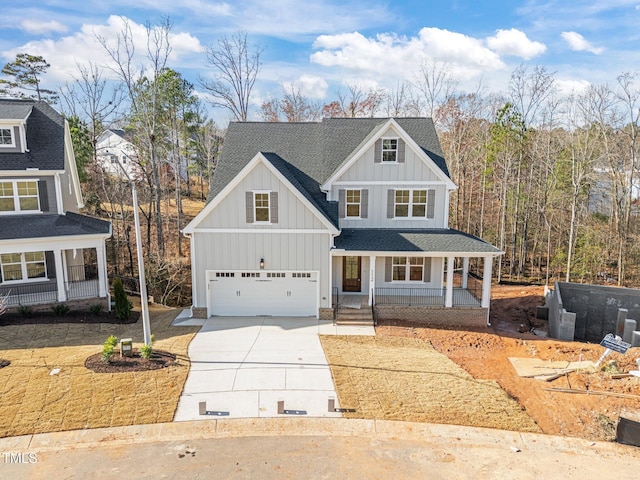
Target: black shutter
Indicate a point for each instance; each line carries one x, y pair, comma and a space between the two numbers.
42, 193
377, 153
50, 261
364, 203
274, 207
342, 200
249, 205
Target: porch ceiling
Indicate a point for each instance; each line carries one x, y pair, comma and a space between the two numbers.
445, 241
16, 227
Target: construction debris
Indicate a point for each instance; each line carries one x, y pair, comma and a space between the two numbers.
545, 370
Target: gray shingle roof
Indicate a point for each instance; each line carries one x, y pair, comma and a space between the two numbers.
15, 109
16, 227
312, 151
406, 240
45, 136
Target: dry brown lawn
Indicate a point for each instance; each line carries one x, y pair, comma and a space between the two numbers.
395, 378
33, 401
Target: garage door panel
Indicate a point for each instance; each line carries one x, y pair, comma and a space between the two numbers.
263, 293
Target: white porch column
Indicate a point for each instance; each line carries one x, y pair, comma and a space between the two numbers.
372, 277
486, 282
103, 282
60, 275
448, 298
465, 271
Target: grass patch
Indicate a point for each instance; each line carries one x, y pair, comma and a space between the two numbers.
394, 378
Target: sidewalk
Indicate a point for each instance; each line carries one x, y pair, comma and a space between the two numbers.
312, 448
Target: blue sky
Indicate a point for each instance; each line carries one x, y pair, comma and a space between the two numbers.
321, 45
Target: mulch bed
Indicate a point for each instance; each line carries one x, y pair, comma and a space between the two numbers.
74, 316
136, 363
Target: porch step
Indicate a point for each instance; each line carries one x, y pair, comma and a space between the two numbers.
353, 316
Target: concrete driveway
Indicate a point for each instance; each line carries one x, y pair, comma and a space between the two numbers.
242, 367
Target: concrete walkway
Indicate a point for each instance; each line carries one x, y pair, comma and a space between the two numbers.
304, 448
243, 366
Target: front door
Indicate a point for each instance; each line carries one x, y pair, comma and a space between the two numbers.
351, 274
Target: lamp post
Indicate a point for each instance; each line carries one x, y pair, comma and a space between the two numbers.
144, 303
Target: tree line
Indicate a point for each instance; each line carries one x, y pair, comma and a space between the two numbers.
547, 177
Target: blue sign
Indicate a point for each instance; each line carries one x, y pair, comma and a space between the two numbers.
614, 343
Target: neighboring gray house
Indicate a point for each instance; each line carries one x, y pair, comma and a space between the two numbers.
48, 251
305, 217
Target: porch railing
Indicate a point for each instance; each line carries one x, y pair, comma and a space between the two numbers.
29, 294
82, 282
334, 303
409, 296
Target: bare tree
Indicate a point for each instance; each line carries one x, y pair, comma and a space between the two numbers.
355, 102
143, 93
236, 66
436, 84
294, 106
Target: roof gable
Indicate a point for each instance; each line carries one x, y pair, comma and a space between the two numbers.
45, 135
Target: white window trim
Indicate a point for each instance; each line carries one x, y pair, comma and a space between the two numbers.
23, 265
347, 203
411, 204
13, 137
16, 198
388, 162
407, 271
255, 207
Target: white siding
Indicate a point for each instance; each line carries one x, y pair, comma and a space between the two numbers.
292, 213
243, 251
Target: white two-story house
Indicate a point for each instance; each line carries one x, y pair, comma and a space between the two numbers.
304, 218
48, 251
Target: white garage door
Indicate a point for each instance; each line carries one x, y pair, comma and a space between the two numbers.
251, 293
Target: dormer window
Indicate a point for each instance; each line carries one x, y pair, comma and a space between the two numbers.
6, 138
390, 150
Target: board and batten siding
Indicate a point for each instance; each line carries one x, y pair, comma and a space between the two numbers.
243, 251
377, 208
292, 213
436, 274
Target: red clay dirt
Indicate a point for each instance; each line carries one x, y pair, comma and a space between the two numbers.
485, 352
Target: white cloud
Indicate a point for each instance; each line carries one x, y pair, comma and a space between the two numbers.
570, 87
390, 56
309, 85
66, 53
578, 43
515, 43
36, 27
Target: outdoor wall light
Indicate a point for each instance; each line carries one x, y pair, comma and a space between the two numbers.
262, 264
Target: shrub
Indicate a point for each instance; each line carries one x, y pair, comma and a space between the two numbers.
60, 309
95, 309
25, 311
123, 305
108, 349
146, 351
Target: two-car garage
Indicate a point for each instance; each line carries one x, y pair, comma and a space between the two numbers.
251, 293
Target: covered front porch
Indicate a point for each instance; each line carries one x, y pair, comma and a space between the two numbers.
412, 270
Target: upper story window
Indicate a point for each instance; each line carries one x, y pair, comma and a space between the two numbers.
389, 150
19, 196
262, 207
352, 203
261, 203
410, 204
23, 266
6, 137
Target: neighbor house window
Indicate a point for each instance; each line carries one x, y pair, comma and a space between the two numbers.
390, 150
19, 196
23, 266
353, 203
408, 269
6, 137
261, 205
411, 203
